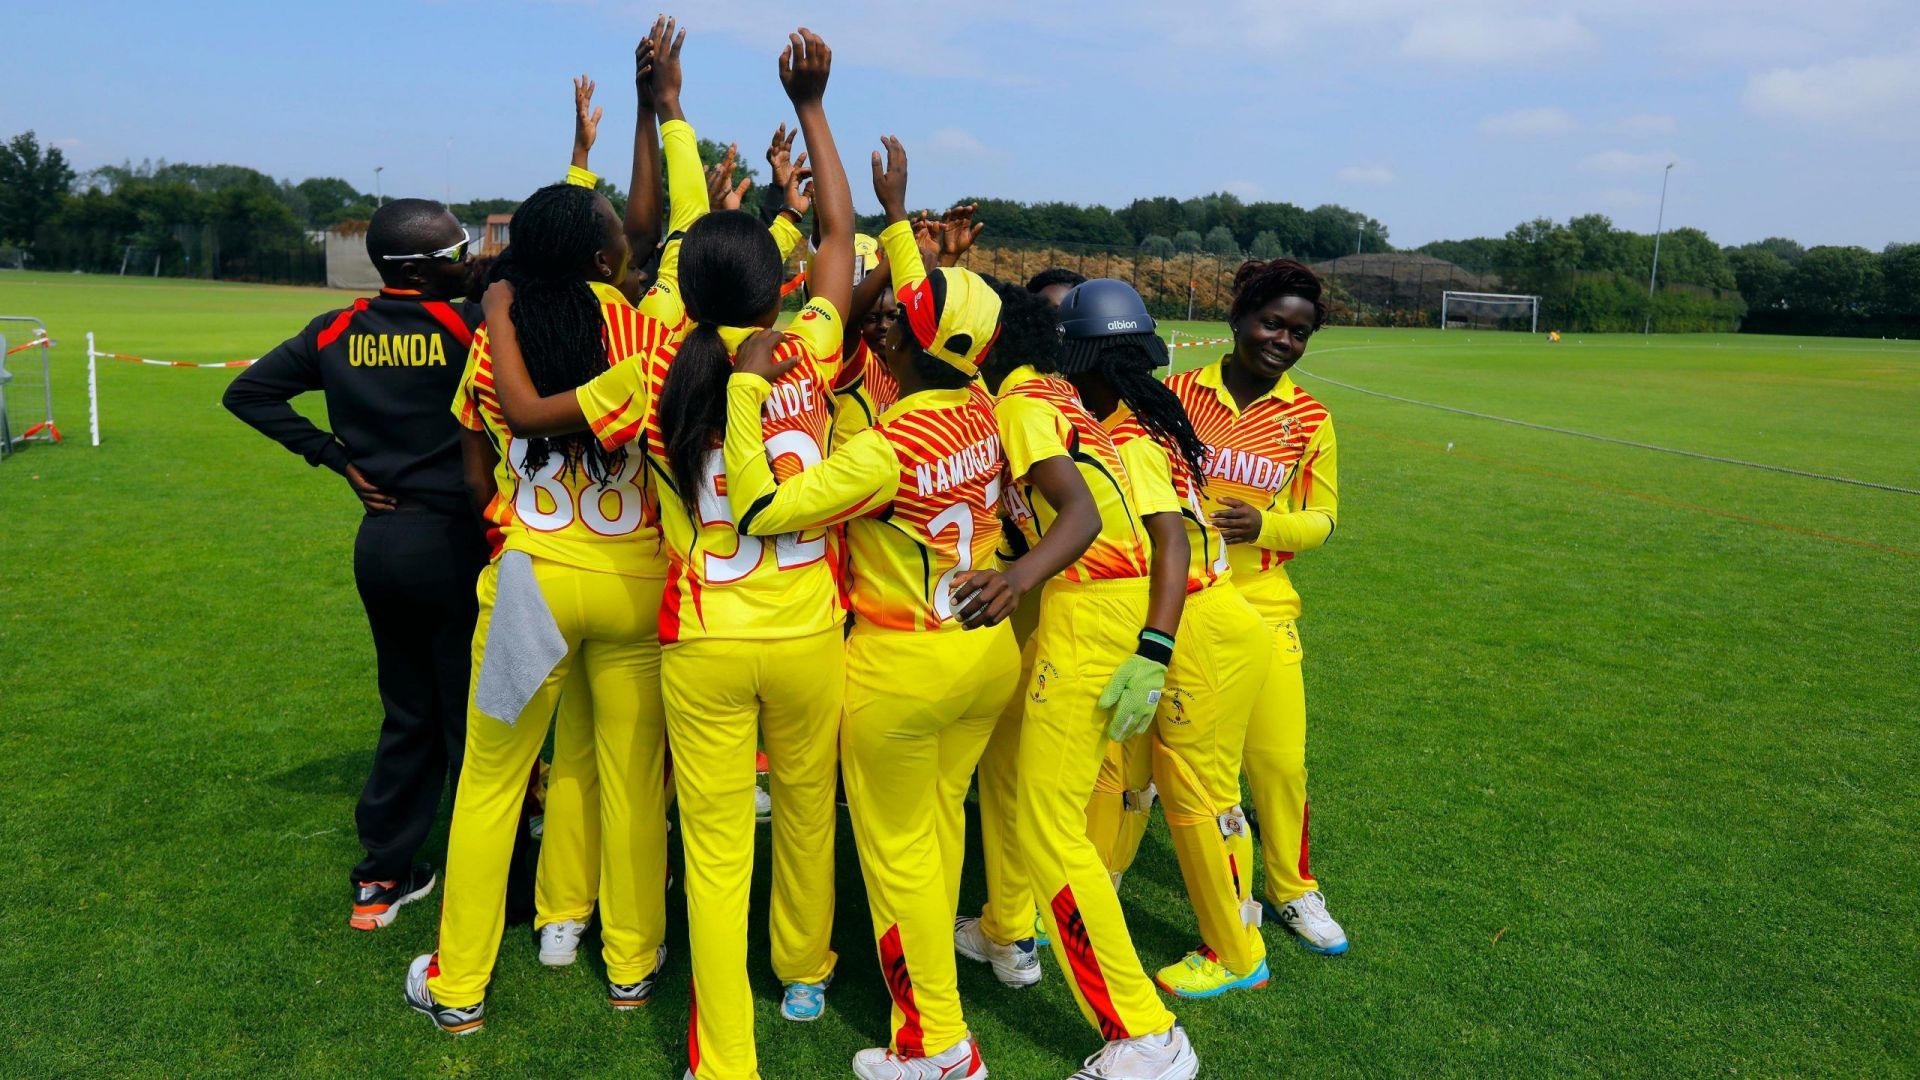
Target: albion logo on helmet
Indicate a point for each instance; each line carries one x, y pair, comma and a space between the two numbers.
1123, 324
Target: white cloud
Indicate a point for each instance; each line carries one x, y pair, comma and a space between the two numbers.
1491, 37
956, 141
1367, 175
1528, 123
1621, 198
1876, 93
1623, 161
1643, 125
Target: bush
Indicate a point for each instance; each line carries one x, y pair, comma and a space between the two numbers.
1266, 246
1220, 242
1158, 247
1186, 240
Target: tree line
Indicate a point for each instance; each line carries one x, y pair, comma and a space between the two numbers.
209, 220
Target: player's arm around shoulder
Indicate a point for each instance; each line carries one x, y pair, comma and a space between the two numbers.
854, 479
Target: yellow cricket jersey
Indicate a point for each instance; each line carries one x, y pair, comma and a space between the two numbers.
559, 513
687, 202
864, 390
722, 583
1040, 417
1163, 484
919, 492
1278, 455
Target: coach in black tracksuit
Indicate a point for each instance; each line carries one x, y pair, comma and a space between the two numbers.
388, 366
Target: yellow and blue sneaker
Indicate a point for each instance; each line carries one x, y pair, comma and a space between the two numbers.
1200, 974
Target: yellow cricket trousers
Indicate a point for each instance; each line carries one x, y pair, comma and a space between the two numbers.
568, 878
1192, 755
1008, 914
610, 623
718, 694
920, 707
1276, 766
1085, 632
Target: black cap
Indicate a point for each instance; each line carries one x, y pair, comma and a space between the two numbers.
1103, 307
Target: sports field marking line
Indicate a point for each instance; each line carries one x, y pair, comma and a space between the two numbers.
1695, 454
1660, 500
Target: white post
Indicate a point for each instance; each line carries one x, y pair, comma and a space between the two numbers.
93, 393
1444, 297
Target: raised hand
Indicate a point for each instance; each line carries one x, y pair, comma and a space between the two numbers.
958, 234
722, 194
804, 66
927, 231
586, 118
799, 187
667, 76
643, 72
780, 154
890, 183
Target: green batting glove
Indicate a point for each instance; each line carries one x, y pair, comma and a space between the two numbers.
1134, 691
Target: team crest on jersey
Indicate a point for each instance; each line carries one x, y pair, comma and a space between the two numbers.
1042, 671
1178, 699
1287, 424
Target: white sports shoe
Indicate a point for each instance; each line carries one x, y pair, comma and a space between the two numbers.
762, 805
1015, 965
961, 1061
1307, 917
560, 942
1167, 1056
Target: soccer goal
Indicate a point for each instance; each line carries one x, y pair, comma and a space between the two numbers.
1489, 311
26, 384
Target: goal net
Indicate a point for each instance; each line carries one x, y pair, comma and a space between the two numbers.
26, 386
1489, 311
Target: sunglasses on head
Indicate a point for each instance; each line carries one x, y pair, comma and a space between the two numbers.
454, 253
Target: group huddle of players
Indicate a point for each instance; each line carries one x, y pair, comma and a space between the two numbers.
938, 531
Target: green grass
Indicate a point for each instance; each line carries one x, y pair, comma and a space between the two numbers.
1613, 752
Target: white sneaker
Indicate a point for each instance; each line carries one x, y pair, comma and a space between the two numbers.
1015, 965
1307, 917
1167, 1056
560, 942
961, 1061
762, 805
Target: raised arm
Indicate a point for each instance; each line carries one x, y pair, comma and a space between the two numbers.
643, 190
586, 122
804, 66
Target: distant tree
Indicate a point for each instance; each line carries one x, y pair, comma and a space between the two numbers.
1266, 245
33, 183
1760, 275
1158, 247
1900, 279
476, 212
1146, 218
324, 201
1790, 250
1835, 281
1220, 241
1186, 240
1479, 254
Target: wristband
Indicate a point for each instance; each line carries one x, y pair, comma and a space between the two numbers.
1155, 646
793, 214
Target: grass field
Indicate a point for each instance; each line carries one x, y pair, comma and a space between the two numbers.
1614, 753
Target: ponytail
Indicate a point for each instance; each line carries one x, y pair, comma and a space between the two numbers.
1128, 362
693, 408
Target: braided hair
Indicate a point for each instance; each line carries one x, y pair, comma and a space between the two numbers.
1257, 284
1127, 362
562, 336
729, 276
1029, 334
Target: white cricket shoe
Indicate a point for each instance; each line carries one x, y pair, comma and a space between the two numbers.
560, 942
1166, 1056
762, 805
1306, 916
1015, 965
961, 1061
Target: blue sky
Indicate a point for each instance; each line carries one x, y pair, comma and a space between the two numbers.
1444, 120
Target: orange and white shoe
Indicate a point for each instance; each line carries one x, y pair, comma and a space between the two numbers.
375, 903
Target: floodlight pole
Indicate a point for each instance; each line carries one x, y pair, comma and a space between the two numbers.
378, 199
1659, 224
